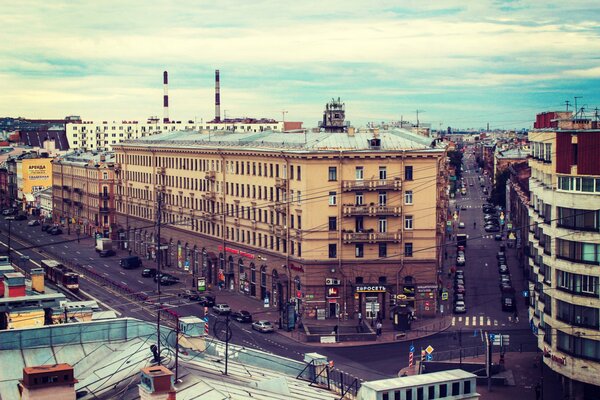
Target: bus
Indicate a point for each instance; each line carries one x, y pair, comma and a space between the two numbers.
60, 275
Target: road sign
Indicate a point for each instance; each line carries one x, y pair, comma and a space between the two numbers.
509, 225
411, 348
429, 349
449, 223
444, 295
429, 357
525, 293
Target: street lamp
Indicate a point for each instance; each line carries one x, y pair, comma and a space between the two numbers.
9, 219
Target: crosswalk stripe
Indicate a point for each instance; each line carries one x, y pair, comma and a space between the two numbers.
480, 320
467, 321
489, 321
453, 321
459, 320
495, 323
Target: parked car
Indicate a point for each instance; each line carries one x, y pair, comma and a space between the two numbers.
492, 228
500, 255
459, 297
20, 217
460, 307
463, 207
221, 308
168, 280
242, 316
263, 326
149, 272
459, 276
461, 225
460, 260
54, 231
107, 253
503, 269
460, 289
46, 227
459, 282
8, 211
498, 237
207, 301
33, 222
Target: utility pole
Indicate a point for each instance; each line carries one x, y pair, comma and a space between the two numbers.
418, 111
158, 275
488, 343
567, 103
576, 97
177, 351
227, 337
283, 112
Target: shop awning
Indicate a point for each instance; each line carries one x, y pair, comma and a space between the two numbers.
29, 198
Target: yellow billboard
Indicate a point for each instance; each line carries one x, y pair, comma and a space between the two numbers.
37, 174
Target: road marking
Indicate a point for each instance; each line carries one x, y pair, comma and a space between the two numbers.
122, 273
495, 323
108, 266
124, 283
453, 321
489, 321
66, 247
459, 319
105, 273
63, 253
78, 252
466, 321
141, 282
480, 320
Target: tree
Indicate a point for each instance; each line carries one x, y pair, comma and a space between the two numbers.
456, 158
499, 189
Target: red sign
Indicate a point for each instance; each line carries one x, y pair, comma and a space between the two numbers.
298, 268
237, 252
333, 292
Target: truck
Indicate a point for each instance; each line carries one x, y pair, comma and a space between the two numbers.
461, 240
103, 244
508, 299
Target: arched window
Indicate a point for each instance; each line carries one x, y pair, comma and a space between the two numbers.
252, 273
241, 266
263, 276
230, 260
297, 283
222, 261
196, 260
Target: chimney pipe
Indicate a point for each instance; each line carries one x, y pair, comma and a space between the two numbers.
166, 97
217, 97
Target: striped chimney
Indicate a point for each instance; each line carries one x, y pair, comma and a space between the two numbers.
166, 97
217, 97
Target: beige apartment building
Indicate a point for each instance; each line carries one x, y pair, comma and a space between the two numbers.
333, 223
564, 252
82, 193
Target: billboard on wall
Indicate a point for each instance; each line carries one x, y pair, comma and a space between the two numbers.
37, 174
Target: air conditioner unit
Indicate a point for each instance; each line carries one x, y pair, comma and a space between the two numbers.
332, 281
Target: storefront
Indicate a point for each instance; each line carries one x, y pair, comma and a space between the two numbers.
333, 297
371, 301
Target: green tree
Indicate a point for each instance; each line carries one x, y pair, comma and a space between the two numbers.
499, 189
456, 158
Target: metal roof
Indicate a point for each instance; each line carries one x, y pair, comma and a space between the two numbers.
391, 140
418, 380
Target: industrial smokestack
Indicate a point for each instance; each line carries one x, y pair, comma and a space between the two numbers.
217, 97
166, 97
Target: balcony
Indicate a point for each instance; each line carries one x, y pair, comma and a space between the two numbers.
280, 207
67, 201
104, 196
78, 204
161, 170
372, 184
281, 183
210, 175
67, 188
372, 237
105, 209
78, 190
117, 167
277, 230
387, 210
210, 196
350, 211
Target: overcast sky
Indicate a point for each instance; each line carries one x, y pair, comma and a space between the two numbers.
463, 63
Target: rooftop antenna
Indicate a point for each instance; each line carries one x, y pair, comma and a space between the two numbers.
419, 111
283, 112
576, 97
567, 103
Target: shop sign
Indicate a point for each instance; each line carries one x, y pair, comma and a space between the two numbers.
298, 268
426, 288
201, 284
557, 359
333, 292
370, 289
237, 252
243, 276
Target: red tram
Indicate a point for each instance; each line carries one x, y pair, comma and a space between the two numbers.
60, 275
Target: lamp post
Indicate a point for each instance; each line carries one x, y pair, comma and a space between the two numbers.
9, 219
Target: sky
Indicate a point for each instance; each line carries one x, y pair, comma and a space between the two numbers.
461, 63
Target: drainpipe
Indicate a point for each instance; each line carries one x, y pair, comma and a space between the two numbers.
339, 229
223, 209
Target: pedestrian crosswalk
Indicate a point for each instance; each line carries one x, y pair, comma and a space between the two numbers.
476, 321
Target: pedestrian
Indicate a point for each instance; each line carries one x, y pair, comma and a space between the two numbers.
538, 391
378, 328
516, 317
359, 318
446, 254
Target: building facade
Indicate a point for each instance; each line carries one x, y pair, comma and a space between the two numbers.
331, 223
83, 193
564, 252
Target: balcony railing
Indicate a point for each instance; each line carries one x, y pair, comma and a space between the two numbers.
210, 196
210, 175
372, 184
387, 210
372, 237
280, 183
161, 170
104, 196
105, 209
78, 190
371, 210
356, 210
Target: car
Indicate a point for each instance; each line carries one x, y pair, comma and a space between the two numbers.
488, 217
460, 261
460, 289
46, 227
471, 184
263, 326
221, 308
207, 301
168, 280
463, 207
505, 279
186, 294
492, 228
460, 253
459, 276
459, 282
106, 253
506, 287
33, 222
459, 297
149, 272
54, 231
162, 274
20, 217
503, 269
500, 255
8, 211
131, 262
242, 316
485, 191
498, 237
461, 225
459, 307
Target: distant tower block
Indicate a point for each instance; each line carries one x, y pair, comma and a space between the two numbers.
166, 97
217, 97
334, 116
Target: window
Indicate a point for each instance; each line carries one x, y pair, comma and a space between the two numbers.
572, 314
408, 394
467, 387
299, 174
455, 388
382, 225
408, 222
578, 346
420, 393
408, 197
332, 173
588, 253
332, 198
382, 249
359, 251
431, 392
443, 390
382, 173
359, 280
408, 249
333, 250
359, 199
577, 219
408, 173
333, 223
359, 173
397, 395
385, 396
382, 198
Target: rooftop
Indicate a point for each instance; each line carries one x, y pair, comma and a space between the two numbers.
83, 158
418, 380
394, 139
512, 153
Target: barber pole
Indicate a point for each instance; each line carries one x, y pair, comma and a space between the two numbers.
411, 359
206, 325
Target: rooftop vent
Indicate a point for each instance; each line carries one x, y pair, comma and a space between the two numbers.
375, 143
